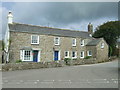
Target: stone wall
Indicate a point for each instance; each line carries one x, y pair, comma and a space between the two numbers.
53, 64
46, 45
0, 51
119, 48
93, 49
102, 53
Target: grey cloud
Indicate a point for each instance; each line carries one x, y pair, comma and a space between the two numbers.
61, 14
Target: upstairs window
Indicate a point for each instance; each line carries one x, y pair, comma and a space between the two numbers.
89, 53
73, 42
34, 39
57, 41
82, 42
102, 45
66, 54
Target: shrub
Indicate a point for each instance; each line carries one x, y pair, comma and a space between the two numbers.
74, 59
18, 61
87, 57
67, 59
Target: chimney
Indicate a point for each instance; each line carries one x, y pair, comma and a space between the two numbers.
90, 29
10, 17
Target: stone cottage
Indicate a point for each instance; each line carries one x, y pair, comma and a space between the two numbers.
31, 43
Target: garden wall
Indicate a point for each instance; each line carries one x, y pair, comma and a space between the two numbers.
34, 65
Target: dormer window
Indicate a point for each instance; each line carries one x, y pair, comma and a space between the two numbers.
82, 42
102, 45
57, 41
34, 39
73, 42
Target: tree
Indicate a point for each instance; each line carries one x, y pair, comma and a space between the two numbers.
110, 31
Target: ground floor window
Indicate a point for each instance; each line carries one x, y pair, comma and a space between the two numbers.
82, 54
66, 54
25, 55
89, 53
74, 54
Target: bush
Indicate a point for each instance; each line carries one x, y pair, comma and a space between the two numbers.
67, 59
87, 57
18, 61
74, 59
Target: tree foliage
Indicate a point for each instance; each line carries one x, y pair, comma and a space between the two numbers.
110, 31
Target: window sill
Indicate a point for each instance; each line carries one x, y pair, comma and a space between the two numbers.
74, 45
26, 60
81, 57
57, 44
74, 57
67, 57
89, 55
82, 45
34, 43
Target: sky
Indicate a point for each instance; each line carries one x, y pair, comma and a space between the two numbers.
66, 15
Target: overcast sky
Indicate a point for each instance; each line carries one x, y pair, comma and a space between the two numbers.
68, 15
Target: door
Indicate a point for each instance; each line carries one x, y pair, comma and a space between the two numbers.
35, 56
56, 55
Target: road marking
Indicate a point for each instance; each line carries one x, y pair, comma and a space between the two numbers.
115, 81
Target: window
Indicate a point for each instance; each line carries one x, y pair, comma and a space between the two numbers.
82, 42
57, 41
82, 54
66, 54
102, 45
73, 42
25, 55
74, 54
34, 39
89, 53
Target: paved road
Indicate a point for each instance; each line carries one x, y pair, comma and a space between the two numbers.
103, 75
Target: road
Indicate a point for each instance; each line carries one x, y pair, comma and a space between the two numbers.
104, 75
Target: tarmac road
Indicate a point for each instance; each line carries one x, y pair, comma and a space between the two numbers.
104, 75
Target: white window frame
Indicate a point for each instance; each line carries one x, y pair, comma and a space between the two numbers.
102, 45
58, 42
67, 54
88, 53
75, 54
73, 40
22, 55
37, 39
83, 54
82, 43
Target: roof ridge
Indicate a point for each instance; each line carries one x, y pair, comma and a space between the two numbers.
49, 27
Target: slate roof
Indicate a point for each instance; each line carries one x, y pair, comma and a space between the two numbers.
17, 27
94, 42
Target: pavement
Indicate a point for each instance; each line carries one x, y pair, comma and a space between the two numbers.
103, 75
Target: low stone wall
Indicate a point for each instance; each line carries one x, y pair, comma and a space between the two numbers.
33, 65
